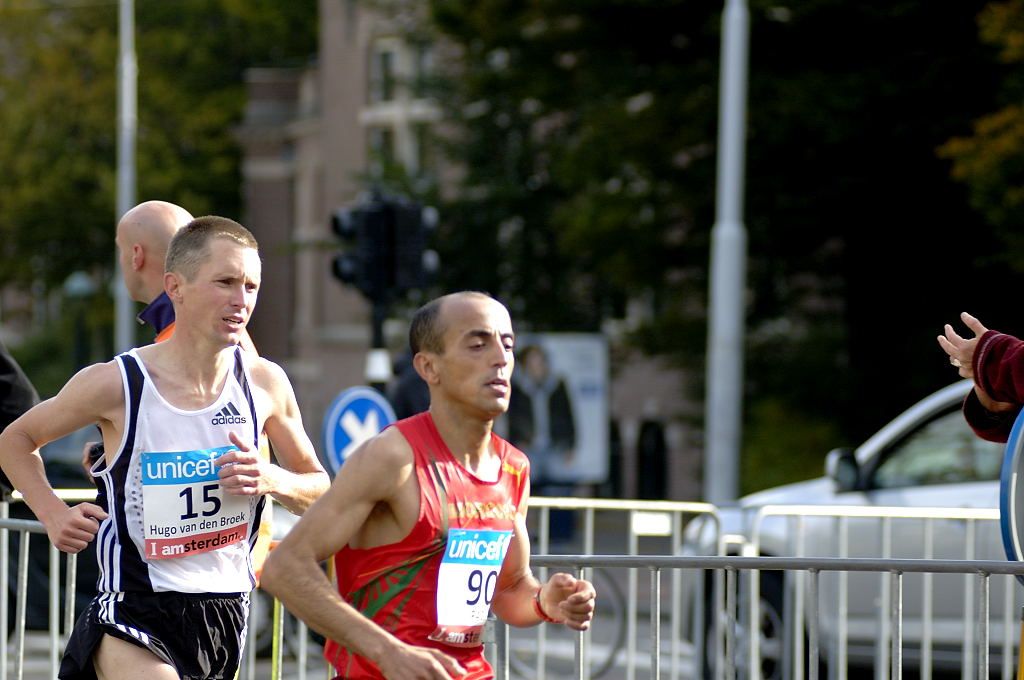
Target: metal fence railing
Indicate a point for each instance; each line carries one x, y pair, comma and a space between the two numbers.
15, 628
622, 527
735, 663
639, 631
884, 532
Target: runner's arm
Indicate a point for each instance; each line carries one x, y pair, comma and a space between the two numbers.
93, 395
370, 477
563, 599
298, 479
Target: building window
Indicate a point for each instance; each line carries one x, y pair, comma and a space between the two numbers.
399, 112
423, 70
382, 76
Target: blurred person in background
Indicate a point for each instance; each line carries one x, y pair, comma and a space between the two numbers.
541, 421
407, 393
17, 395
542, 424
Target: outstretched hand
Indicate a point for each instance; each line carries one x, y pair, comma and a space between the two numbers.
961, 356
569, 600
960, 349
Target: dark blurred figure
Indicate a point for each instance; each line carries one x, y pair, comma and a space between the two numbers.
612, 488
17, 395
407, 392
652, 460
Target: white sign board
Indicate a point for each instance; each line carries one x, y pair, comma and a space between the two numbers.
558, 412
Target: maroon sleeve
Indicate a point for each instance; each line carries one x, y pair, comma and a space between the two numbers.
999, 367
995, 427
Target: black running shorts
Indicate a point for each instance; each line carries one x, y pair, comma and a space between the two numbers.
200, 635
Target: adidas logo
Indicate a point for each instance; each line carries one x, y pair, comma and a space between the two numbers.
228, 415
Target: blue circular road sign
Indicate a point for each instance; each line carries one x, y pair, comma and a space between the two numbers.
354, 416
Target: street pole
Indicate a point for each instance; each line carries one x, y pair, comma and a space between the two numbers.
723, 400
378, 360
127, 72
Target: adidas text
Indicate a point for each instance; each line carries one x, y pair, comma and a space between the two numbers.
227, 420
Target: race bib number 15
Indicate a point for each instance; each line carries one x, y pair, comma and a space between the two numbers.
466, 582
184, 510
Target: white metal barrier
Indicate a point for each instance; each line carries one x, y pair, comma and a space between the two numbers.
635, 523
894, 569
638, 525
882, 521
643, 520
57, 634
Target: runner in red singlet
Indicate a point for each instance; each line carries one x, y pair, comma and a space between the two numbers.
427, 521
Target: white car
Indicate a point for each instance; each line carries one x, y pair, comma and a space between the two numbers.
927, 457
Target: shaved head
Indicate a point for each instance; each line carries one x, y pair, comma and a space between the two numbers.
143, 234
426, 332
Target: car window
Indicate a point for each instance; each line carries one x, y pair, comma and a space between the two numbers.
943, 451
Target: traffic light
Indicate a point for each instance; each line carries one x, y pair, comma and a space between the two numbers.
386, 247
367, 232
414, 262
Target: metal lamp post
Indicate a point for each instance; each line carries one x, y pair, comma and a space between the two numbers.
723, 413
127, 121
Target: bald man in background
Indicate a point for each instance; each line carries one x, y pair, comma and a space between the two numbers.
142, 237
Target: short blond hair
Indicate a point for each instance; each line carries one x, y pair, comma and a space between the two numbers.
190, 246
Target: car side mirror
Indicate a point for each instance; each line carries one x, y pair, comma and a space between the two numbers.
841, 467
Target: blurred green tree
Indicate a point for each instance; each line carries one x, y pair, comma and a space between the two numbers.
583, 143
990, 160
58, 112
58, 87
587, 130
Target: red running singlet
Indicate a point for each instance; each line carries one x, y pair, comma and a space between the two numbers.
456, 547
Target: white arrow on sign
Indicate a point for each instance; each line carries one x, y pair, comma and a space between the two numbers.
358, 431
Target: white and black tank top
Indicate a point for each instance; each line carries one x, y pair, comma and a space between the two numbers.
170, 525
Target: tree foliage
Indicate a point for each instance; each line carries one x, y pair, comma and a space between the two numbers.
58, 90
58, 145
58, 113
586, 130
990, 160
583, 145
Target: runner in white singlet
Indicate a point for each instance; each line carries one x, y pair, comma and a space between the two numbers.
181, 484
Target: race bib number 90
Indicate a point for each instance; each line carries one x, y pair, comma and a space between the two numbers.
466, 582
184, 510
